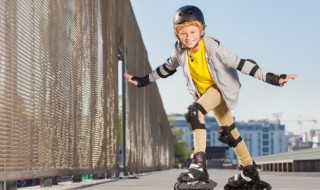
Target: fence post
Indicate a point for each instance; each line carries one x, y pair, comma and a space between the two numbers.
10, 185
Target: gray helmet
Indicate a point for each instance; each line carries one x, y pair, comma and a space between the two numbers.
187, 14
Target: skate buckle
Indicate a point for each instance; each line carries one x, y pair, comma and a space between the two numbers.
192, 182
203, 184
245, 177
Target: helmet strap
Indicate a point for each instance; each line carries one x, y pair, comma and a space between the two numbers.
190, 51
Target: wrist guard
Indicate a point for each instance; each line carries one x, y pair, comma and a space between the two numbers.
274, 78
142, 81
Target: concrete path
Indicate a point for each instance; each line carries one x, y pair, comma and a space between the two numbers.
165, 180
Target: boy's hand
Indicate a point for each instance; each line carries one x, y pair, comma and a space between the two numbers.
129, 78
138, 81
289, 77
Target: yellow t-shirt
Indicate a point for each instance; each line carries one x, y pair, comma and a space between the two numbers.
199, 69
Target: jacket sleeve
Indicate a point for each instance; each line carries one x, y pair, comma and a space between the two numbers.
165, 70
246, 66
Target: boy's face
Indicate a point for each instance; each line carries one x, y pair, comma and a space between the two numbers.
190, 36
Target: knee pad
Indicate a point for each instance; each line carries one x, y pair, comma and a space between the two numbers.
191, 115
226, 137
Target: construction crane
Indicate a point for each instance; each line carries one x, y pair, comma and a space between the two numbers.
300, 121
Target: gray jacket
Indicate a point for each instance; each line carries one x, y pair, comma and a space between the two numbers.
222, 64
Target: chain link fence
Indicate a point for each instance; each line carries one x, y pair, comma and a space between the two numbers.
59, 91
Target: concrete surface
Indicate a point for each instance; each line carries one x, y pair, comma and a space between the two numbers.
165, 180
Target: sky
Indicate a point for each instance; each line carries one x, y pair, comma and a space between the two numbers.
281, 36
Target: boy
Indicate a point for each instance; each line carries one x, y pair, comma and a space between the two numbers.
211, 73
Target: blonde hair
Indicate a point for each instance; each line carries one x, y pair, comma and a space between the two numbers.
178, 27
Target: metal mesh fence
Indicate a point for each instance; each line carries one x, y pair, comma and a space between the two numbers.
59, 90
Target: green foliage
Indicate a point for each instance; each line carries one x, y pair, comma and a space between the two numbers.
120, 121
181, 151
180, 147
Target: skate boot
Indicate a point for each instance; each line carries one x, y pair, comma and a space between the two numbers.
196, 177
197, 170
248, 179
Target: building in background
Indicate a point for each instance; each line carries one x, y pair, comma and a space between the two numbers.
316, 140
262, 137
306, 140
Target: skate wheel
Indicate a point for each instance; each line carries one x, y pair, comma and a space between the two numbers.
202, 185
176, 186
264, 186
261, 186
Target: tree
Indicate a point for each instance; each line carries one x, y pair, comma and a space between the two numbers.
181, 150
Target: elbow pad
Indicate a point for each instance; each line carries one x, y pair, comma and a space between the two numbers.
274, 78
142, 81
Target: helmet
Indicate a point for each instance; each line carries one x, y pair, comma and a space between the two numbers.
187, 14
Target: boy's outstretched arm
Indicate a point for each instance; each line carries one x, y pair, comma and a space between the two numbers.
138, 81
250, 67
163, 71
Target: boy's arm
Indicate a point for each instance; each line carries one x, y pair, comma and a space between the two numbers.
163, 71
250, 67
